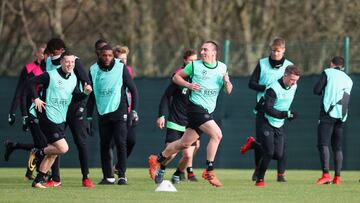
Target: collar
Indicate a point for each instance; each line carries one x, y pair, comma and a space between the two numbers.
282, 84
105, 68
63, 74
276, 64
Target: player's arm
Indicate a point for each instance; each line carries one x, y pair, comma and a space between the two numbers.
17, 96
164, 103
254, 80
320, 85
90, 103
43, 80
227, 84
270, 97
180, 76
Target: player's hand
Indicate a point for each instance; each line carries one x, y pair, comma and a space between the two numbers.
226, 78
291, 115
11, 119
25, 126
160, 122
39, 105
133, 118
193, 86
87, 89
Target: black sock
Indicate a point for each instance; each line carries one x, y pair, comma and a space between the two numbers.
177, 172
189, 170
162, 167
85, 177
210, 165
40, 177
160, 158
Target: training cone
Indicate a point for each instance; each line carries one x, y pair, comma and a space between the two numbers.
165, 186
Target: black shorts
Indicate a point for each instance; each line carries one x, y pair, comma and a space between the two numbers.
173, 135
52, 131
197, 116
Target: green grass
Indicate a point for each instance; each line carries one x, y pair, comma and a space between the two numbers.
237, 187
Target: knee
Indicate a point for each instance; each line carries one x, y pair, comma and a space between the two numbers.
187, 156
217, 136
63, 149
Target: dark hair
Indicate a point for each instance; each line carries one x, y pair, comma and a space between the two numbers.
292, 70
55, 44
66, 53
338, 61
100, 42
215, 45
188, 53
106, 47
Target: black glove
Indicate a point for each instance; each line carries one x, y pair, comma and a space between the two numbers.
25, 126
11, 119
260, 106
291, 115
133, 118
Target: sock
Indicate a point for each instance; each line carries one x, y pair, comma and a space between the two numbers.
85, 177
280, 174
190, 172
210, 165
162, 167
160, 158
177, 172
40, 177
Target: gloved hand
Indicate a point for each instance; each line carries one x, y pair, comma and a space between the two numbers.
291, 115
25, 126
133, 118
11, 119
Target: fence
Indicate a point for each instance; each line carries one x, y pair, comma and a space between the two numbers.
234, 114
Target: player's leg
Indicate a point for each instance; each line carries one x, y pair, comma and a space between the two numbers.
119, 130
336, 145
325, 129
267, 144
78, 131
106, 136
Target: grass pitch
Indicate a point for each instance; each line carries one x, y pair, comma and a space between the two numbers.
237, 187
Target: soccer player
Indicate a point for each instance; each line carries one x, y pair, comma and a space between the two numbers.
334, 87
75, 117
278, 98
267, 71
110, 79
121, 53
51, 109
208, 77
22, 97
176, 99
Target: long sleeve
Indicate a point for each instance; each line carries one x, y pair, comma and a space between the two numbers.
254, 80
90, 102
17, 99
42, 79
80, 72
270, 97
320, 85
129, 83
166, 98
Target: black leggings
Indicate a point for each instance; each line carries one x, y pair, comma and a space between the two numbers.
330, 130
77, 126
272, 142
117, 131
281, 163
